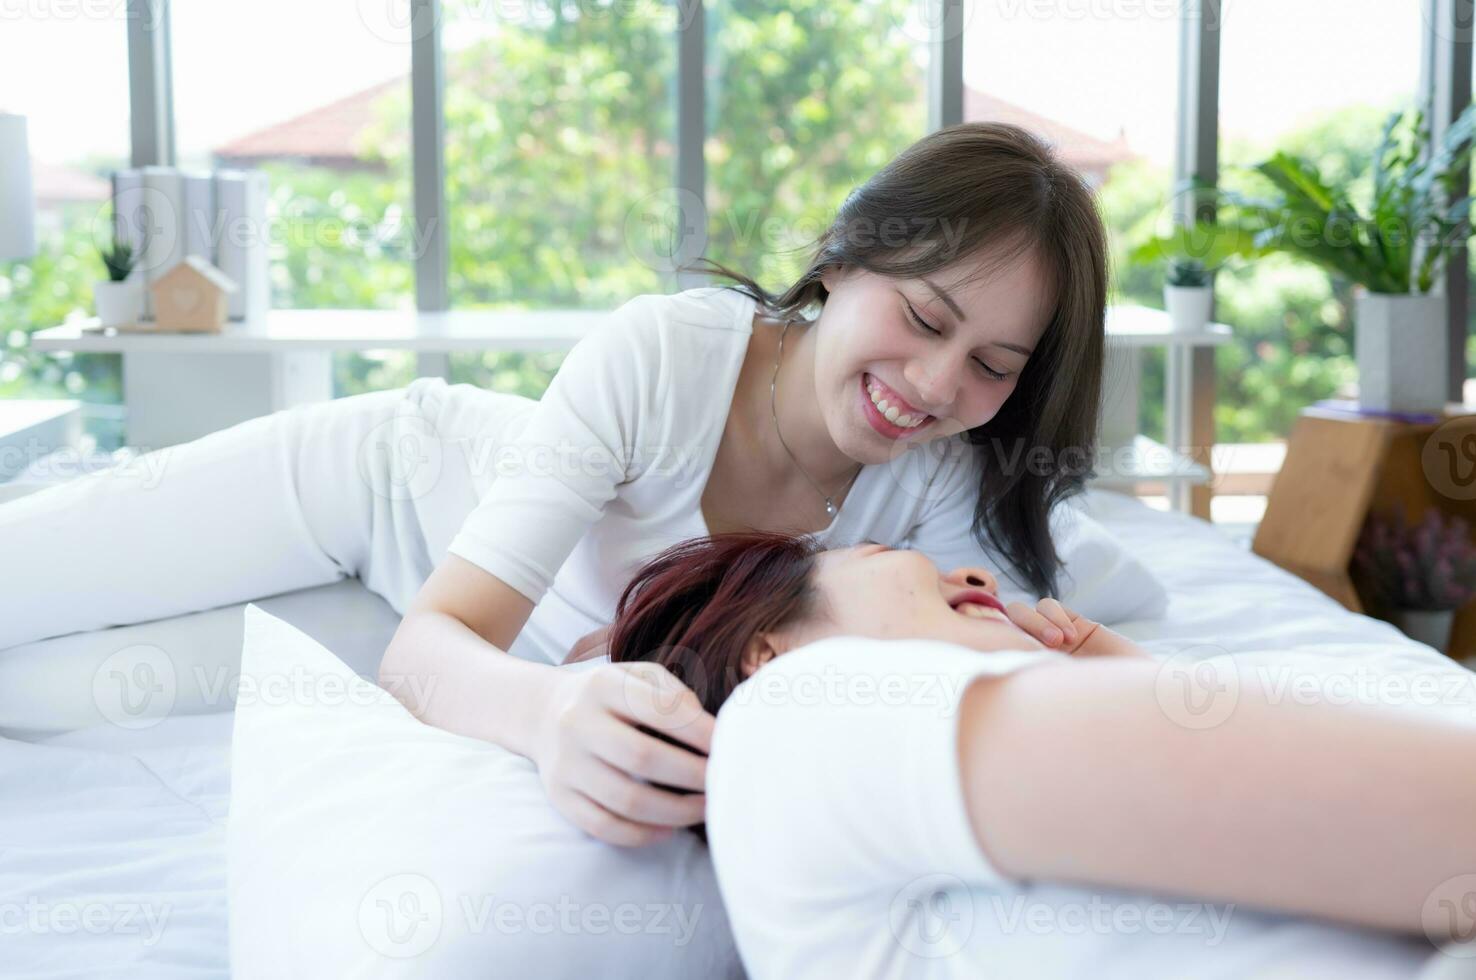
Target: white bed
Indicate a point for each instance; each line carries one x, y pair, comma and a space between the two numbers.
112, 836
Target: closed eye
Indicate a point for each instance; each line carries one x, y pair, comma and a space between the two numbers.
922, 324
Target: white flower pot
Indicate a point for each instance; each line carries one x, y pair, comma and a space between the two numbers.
1400, 343
1188, 307
118, 304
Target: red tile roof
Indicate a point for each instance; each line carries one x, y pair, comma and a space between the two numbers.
329, 134
1087, 154
56, 184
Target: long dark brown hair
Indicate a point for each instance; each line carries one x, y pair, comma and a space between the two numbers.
990, 191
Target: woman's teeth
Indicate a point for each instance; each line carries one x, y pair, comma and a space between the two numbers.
893, 416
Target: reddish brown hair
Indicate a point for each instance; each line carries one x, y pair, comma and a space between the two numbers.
695, 607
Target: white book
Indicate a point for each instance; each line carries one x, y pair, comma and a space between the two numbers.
17, 192
241, 249
162, 211
130, 219
201, 216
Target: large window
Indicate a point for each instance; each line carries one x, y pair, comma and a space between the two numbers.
1470, 387
1099, 82
805, 100
1317, 78
561, 142
78, 133
556, 128
559, 126
318, 97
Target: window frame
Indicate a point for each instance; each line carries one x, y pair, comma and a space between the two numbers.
1445, 79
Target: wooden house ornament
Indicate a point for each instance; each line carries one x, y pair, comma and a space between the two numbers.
192, 296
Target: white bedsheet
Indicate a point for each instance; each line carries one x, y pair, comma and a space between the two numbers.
1225, 600
112, 851
112, 840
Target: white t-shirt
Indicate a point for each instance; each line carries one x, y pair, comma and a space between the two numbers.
610, 468
843, 846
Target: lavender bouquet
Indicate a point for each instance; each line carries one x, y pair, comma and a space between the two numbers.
1428, 566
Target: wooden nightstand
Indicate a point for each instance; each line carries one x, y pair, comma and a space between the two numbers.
1340, 467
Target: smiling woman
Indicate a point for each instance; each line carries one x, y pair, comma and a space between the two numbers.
994, 330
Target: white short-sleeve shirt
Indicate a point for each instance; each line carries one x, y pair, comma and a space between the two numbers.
611, 465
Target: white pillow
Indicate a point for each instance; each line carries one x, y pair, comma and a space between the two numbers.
1100, 578
363, 842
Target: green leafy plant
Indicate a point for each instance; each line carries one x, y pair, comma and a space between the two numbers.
1188, 272
1396, 241
119, 259
1193, 253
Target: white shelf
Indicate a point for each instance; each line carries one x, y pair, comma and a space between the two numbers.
1147, 460
1142, 326
341, 330
22, 417
177, 388
32, 428
467, 330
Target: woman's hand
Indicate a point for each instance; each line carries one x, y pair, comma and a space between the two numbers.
596, 765
1049, 623
1059, 628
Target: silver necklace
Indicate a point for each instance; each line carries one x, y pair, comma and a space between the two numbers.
830, 507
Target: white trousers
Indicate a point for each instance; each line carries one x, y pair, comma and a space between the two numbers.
360, 486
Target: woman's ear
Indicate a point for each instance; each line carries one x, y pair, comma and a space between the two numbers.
761, 649
832, 275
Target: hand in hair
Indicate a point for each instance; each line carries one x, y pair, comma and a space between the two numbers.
622, 752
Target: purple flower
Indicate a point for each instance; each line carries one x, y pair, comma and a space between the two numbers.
1428, 564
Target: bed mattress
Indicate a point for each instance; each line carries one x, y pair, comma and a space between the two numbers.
112, 838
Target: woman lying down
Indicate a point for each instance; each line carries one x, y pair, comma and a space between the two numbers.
907, 780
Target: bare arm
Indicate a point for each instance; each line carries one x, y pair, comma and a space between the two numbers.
447, 664
1347, 812
446, 661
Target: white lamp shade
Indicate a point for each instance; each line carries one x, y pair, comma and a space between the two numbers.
17, 203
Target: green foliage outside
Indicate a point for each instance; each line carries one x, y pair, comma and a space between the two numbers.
559, 148
55, 286
812, 97
1293, 329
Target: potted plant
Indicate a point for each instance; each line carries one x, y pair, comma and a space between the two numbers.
118, 300
1390, 247
1192, 254
1419, 576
